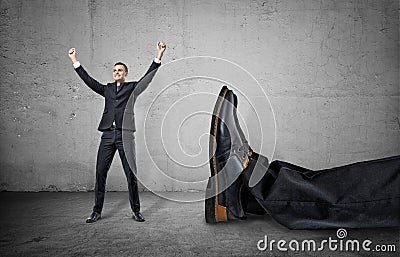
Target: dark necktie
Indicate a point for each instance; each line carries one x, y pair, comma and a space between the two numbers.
118, 87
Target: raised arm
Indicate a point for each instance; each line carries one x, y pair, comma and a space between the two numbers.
89, 81
144, 82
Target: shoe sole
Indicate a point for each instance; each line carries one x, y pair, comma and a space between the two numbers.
214, 211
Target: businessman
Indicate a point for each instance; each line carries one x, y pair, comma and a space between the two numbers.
116, 95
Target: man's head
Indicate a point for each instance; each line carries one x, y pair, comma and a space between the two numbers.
120, 72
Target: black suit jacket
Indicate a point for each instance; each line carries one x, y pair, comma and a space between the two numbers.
116, 102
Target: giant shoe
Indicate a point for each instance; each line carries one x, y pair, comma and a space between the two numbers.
229, 155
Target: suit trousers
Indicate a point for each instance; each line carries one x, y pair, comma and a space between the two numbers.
359, 195
111, 141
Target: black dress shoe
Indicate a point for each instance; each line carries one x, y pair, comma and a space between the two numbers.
138, 216
229, 152
95, 216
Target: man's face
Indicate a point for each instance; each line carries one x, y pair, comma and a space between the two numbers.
119, 73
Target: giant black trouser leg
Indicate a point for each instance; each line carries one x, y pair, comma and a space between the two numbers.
360, 195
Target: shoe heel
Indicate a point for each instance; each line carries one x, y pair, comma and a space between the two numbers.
214, 212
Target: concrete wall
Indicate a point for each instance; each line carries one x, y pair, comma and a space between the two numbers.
330, 69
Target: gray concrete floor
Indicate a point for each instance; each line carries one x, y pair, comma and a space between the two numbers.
53, 224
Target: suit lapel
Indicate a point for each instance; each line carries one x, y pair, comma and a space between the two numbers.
122, 85
114, 87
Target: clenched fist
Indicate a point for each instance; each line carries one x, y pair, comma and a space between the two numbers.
161, 46
72, 54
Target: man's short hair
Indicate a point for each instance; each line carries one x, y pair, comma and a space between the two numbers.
123, 64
